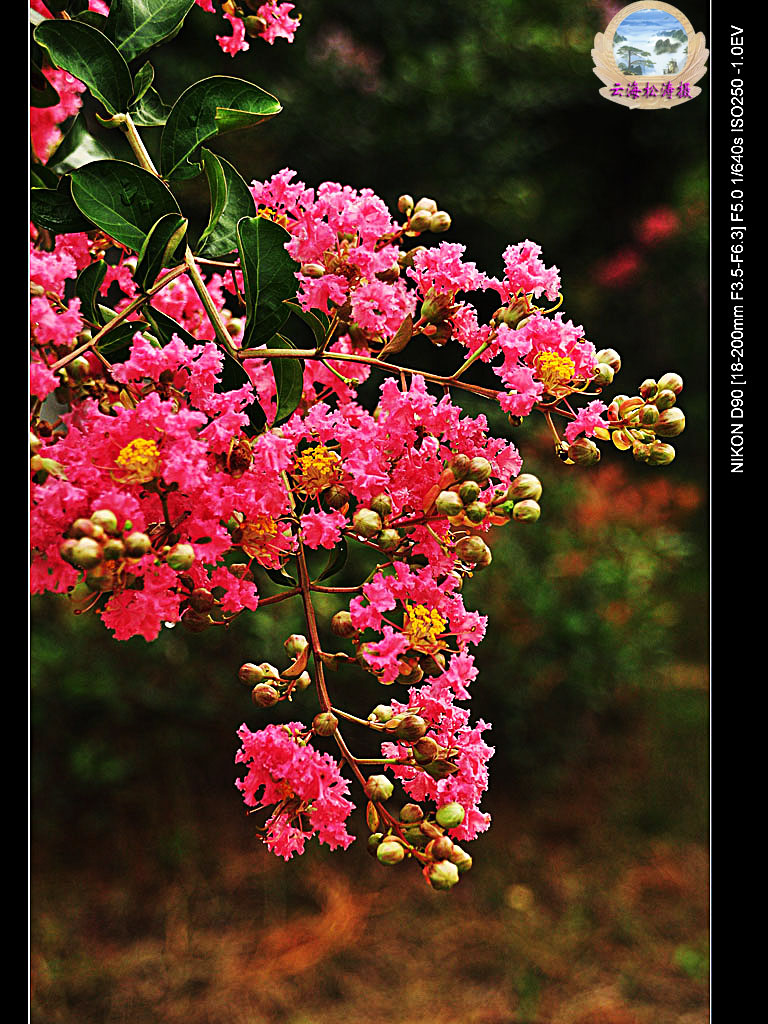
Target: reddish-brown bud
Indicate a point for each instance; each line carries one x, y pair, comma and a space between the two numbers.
325, 723
264, 695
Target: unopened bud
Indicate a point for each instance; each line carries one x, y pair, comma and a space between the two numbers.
390, 852
405, 204
106, 519
137, 544
296, 644
649, 415
660, 454
476, 511
479, 469
426, 204
270, 671
264, 695
611, 357
411, 728
254, 25
671, 423
426, 750
83, 528
312, 269
66, 548
648, 389
303, 681
250, 674
439, 849
201, 599
448, 503
382, 504
341, 625
525, 486
195, 622
671, 382
603, 375
441, 221
113, 549
469, 492
527, 511
378, 787
335, 497
420, 221
472, 549
460, 858
665, 400
459, 465
441, 874
381, 713
366, 522
584, 452
373, 842
389, 540
325, 723
411, 813
181, 557
86, 553
450, 815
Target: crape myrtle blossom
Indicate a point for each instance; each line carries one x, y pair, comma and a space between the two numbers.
268, 21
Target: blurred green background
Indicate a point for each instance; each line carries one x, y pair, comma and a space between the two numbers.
594, 670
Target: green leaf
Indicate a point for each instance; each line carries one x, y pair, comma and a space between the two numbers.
159, 246
87, 54
150, 111
209, 107
116, 343
137, 25
289, 381
231, 200
317, 322
164, 327
41, 176
122, 199
79, 147
336, 561
54, 209
142, 81
87, 287
269, 276
41, 92
279, 576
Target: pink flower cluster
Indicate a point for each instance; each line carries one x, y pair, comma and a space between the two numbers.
270, 21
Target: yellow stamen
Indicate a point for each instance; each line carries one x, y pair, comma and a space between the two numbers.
423, 625
138, 461
269, 214
552, 369
318, 467
257, 535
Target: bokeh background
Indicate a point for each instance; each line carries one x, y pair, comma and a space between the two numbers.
152, 899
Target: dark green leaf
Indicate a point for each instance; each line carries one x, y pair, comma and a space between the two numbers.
87, 54
207, 108
150, 111
159, 246
116, 344
269, 275
289, 381
79, 147
122, 199
95, 20
279, 576
41, 92
231, 200
41, 176
317, 322
137, 25
142, 81
336, 561
54, 209
87, 287
164, 327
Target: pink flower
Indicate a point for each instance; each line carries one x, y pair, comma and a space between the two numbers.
587, 421
525, 272
322, 529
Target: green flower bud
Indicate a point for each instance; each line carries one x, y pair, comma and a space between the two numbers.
441, 221
505, 509
105, 519
313, 270
671, 382
303, 681
460, 858
389, 540
584, 452
442, 874
671, 423
641, 452
411, 813
381, 713
476, 511
373, 842
66, 548
648, 389
459, 466
472, 549
649, 414
660, 454
234, 326
390, 852
84, 528
113, 549
341, 625
137, 544
448, 503
450, 815
296, 644
181, 557
254, 25
426, 204
527, 511
603, 375
325, 723
264, 695
665, 400
420, 220
611, 357
405, 204
469, 492
479, 469
440, 849
382, 504
426, 750
366, 522
250, 674
79, 368
86, 554
411, 728
525, 486
412, 677
269, 670
378, 787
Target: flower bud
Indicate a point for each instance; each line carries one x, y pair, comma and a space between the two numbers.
411, 676
234, 326
439, 849
426, 750
460, 858
113, 549
441, 874
441, 221
426, 204
264, 695
86, 554
66, 548
269, 670
420, 220
629, 407
303, 681
411, 728
341, 625
671, 382
476, 511
665, 400
181, 557
611, 357
382, 504
312, 269
84, 528
250, 674
381, 713
671, 423
334, 497
254, 25
450, 815
433, 664
472, 549
660, 454
459, 466
641, 452
448, 503
195, 622
649, 415
106, 519
137, 544
411, 813
390, 852
584, 452
389, 540
469, 492
405, 204
648, 389
603, 375
325, 723
525, 486
366, 522
378, 787
479, 469
373, 842
527, 511
296, 644
201, 599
